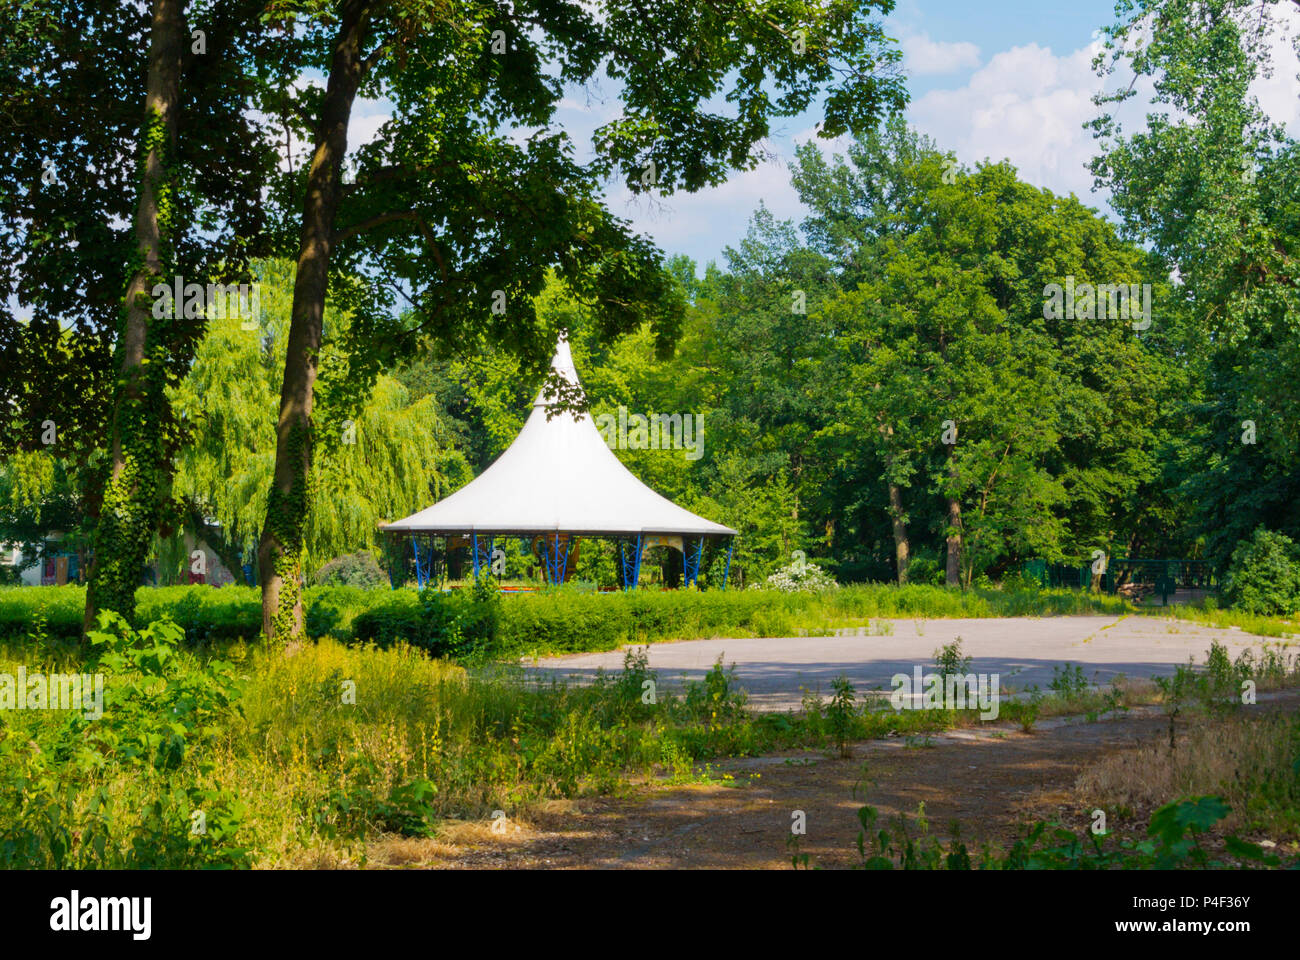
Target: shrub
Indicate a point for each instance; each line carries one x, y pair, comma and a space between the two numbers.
1068, 682
455, 624
206, 614
352, 570
115, 786
1020, 580
60, 608
1264, 575
840, 714
799, 577
1174, 840
923, 569
396, 615
950, 661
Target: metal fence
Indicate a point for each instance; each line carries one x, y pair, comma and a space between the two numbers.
1132, 576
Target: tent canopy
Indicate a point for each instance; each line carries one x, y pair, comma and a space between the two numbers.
558, 477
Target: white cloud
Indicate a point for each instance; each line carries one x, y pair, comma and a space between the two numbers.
700, 224
1277, 94
367, 117
922, 56
1026, 105
22, 314
828, 146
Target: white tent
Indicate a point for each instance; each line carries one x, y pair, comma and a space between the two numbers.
559, 478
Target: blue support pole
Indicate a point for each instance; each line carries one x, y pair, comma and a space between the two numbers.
726, 571
557, 564
474, 547
631, 567
691, 560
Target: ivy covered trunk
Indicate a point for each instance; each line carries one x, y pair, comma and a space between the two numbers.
137, 479
281, 550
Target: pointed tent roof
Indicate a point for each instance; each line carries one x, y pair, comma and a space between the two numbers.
558, 476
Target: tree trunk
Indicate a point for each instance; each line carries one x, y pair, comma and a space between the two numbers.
902, 550
137, 477
897, 516
280, 552
953, 567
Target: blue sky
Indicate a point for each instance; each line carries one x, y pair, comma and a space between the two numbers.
1007, 78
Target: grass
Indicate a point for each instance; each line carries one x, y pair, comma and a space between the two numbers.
1208, 612
307, 758
1249, 760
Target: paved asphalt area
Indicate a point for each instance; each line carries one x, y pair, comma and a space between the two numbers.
1021, 650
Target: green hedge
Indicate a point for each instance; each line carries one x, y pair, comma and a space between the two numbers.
556, 621
1264, 576
62, 609
207, 613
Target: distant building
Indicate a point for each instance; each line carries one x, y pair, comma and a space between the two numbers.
53, 566
12, 556
57, 566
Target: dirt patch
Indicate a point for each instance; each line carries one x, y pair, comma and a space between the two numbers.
990, 782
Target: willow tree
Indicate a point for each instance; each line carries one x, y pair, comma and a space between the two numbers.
394, 456
466, 219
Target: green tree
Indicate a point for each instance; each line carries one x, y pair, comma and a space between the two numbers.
1036, 431
469, 221
1211, 185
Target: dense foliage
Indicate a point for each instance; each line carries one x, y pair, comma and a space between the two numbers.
1264, 577
889, 388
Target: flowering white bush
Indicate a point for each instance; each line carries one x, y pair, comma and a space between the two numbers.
801, 576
